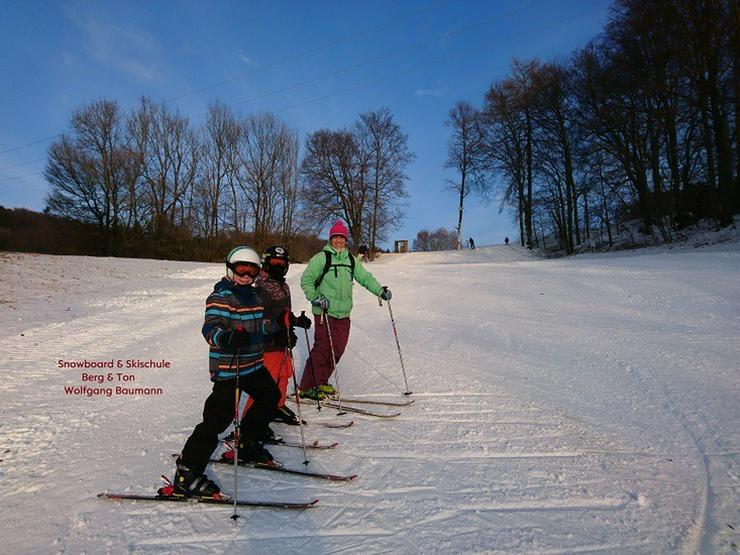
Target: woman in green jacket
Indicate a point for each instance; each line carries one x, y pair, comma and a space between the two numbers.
327, 282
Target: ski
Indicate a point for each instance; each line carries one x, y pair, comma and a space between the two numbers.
223, 501
280, 468
358, 410
335, 426
315, 444
373, 401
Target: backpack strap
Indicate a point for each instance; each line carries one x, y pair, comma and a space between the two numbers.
328, 265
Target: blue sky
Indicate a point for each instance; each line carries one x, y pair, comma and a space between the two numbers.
417, 58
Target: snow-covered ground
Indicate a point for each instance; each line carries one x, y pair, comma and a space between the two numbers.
588, 404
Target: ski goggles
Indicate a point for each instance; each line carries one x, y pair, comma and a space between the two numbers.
277, 262
242, 269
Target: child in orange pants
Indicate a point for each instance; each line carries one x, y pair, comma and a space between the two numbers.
275, 294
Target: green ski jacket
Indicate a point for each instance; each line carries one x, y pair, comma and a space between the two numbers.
337, 283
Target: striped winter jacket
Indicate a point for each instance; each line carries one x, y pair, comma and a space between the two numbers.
276, 296
228, 308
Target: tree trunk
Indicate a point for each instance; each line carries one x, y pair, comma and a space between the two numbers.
528, 205
460, 209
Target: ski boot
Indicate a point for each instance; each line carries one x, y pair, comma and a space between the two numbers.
188, 483
254, 452
312, 393
328, 390
270, 436
286, 416
250, 452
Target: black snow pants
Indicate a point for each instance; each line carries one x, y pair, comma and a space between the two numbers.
218, 413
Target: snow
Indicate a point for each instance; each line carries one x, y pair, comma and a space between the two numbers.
588, 404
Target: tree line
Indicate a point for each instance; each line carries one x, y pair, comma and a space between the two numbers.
154, 184
638, 125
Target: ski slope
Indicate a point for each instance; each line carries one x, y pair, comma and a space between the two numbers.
580, 405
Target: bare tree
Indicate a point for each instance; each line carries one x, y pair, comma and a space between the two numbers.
170, 154
464, 154
93, 172
335, 171
381, 137
508, 147
552, 109
288, 181
219, 139
440, 240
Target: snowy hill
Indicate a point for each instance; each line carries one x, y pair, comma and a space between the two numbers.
588, 404
490, 254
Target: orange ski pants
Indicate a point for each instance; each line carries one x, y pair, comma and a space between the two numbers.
280, 366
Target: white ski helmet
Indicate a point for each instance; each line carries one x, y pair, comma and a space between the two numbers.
241, 254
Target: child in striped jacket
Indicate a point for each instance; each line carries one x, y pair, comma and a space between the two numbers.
235, 328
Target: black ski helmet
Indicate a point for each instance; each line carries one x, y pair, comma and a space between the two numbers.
275, 261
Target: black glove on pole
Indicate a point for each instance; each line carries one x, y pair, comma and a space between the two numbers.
234, 339
301, 321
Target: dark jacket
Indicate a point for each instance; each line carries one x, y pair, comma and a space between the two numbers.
275, 293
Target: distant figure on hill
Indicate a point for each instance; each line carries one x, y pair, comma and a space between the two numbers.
506, 240
363, 253
471, 243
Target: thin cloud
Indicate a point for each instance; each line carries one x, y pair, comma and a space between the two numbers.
244, 58
122, 49
435, 93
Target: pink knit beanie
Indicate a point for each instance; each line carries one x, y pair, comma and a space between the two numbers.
339, 229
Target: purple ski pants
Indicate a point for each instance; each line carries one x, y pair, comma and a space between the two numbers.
320, 355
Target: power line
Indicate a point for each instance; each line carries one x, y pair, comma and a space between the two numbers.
373, 81
388, 54
304, 54
302, 84
23, 163
46, 140
295, 57
416, 67
18, 177
316, 79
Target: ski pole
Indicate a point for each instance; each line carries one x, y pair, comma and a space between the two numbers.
236, 436
310, 364
300, 414
289, 356
340, 412
398, 345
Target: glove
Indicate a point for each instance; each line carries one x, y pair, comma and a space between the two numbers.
386, 294
301, 321
321, 302
293, 339
234, 339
